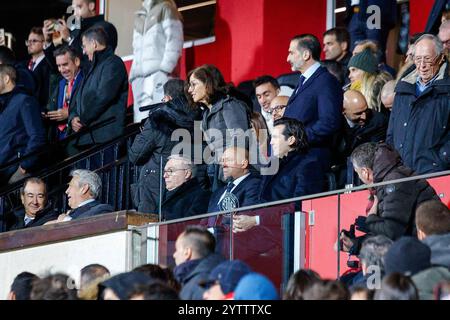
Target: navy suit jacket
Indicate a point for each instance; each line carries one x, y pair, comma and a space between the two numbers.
91, 209
46, 215
298, 175
247, 193
318, 105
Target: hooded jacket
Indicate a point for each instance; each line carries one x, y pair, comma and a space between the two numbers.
440, 249
397, 203
157, 38
190, 274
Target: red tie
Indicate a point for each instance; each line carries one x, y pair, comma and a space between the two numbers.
67, 95
31, 65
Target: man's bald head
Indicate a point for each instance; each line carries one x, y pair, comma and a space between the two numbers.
235, 163
388, 94
278, 106
355, 107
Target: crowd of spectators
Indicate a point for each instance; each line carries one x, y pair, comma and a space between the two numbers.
405, 269
351, 117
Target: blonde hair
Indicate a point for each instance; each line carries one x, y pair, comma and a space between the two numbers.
371, 86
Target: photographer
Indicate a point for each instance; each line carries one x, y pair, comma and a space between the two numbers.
393, 211
59, 32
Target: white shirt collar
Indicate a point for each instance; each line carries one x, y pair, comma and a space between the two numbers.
239, 180
38, 60
236, 183
308, 73
85, 202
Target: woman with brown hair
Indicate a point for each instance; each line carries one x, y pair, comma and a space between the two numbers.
225, 119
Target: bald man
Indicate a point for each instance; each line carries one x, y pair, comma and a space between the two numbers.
278, 106
241, 183
388, 94
361, 125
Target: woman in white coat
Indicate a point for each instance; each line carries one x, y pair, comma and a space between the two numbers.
157, 48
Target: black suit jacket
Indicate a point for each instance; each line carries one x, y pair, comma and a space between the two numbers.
42, 75
187, 200
247, 193
46, 215
102, 95
91, 209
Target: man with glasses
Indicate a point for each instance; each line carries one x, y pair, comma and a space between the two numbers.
419, 124
38, 64
184, 197
36, 210
444, 36
278, 106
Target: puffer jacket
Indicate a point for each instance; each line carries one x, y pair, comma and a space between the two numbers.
153, 144
157, 39
397, 203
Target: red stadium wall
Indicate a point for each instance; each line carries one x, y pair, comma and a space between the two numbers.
420, 10
252, 36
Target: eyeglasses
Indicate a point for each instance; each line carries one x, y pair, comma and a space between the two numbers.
278, 108
425, 60
28, 42
171, 172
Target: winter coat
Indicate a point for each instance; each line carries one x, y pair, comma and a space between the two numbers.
22, 131
103, 94
154, 144
440, 249
157, 39
419, 127
397, 203
187, 200
190, 279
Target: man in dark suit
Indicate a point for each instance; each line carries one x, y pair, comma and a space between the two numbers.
317, 100
242, 184
241, 191
103, 93
36, 211
39, 65
82, 194
299, 172
184, 196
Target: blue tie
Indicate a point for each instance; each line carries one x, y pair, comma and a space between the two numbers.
212, 221
300, 84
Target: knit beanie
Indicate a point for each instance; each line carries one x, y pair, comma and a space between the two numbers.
365, 61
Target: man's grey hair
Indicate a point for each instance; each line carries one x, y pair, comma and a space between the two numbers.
91, 179
364, 155
438, 46
186, 162
373, 250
